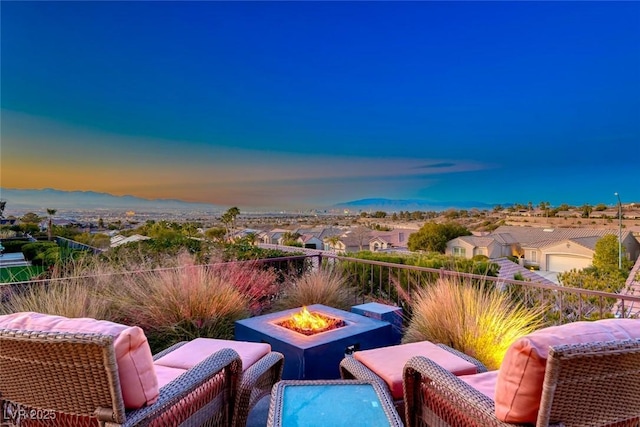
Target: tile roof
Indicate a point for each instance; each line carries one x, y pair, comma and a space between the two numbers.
527, 235
509, 268
479, 241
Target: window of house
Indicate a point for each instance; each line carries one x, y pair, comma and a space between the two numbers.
458, 251
534, 256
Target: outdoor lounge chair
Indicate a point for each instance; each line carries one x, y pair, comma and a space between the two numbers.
90, 372
385, 365
586, 383
69, 379
261, 369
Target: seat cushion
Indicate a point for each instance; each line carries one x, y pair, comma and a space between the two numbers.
484, 382
199, 349
521, 375
388, 362
138, 382
166, 374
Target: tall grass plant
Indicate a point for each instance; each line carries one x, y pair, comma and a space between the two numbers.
326, 285
182, 303
475, 319
79, 289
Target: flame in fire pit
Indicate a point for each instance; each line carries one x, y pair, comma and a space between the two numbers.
309, 323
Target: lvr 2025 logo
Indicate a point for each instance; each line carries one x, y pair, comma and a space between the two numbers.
13, 414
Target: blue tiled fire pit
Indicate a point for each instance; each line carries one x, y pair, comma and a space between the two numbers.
315, 356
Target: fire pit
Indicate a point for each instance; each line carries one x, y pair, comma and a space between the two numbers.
308, 323
316, 355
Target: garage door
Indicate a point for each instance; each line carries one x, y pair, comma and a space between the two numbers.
562, 263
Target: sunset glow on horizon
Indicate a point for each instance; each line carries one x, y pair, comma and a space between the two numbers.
305, 104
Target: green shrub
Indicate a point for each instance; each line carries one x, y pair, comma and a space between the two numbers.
50, 256
13, 246
32, 250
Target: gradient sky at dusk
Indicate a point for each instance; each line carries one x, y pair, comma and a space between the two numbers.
305, 104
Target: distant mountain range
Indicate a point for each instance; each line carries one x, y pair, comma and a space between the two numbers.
392, 205
49, 198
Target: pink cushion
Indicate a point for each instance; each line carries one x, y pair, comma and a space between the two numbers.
520, 378
388, 362
166, 374
484, 382
199, 349
136, 372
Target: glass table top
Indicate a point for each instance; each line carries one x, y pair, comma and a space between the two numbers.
332, 405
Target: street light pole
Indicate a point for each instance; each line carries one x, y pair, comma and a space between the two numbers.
619, 231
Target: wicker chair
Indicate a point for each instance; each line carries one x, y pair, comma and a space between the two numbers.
255, 383
66, 379
350, 368
594, 384
261, 369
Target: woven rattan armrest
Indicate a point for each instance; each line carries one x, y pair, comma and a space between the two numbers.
434, 396
174, 399
256, 382
351, 369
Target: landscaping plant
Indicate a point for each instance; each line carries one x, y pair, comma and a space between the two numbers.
181, 303
326, 285
76, 290
477, 320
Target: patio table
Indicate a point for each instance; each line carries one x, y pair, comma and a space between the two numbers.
335, 403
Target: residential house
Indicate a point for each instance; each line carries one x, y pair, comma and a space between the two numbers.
549, 249
389, 240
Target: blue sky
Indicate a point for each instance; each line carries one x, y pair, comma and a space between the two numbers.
305, 104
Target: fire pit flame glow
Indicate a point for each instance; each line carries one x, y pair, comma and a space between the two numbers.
308, 323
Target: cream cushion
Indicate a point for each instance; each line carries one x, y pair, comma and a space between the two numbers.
521, 375
138, 382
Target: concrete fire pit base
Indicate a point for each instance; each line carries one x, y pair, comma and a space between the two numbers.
315, 356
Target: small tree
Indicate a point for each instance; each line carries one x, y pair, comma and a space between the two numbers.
434, 237
217, 234
332, 241
607, 251
290, 238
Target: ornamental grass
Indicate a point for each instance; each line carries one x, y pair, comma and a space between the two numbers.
190, 301
327, 285
475, 319
77, 290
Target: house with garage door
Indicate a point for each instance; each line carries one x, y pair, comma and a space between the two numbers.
549, 249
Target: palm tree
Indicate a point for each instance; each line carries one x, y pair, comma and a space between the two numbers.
51, 213
229, 218
333, 241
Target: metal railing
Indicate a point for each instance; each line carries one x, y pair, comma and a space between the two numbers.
396, 283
